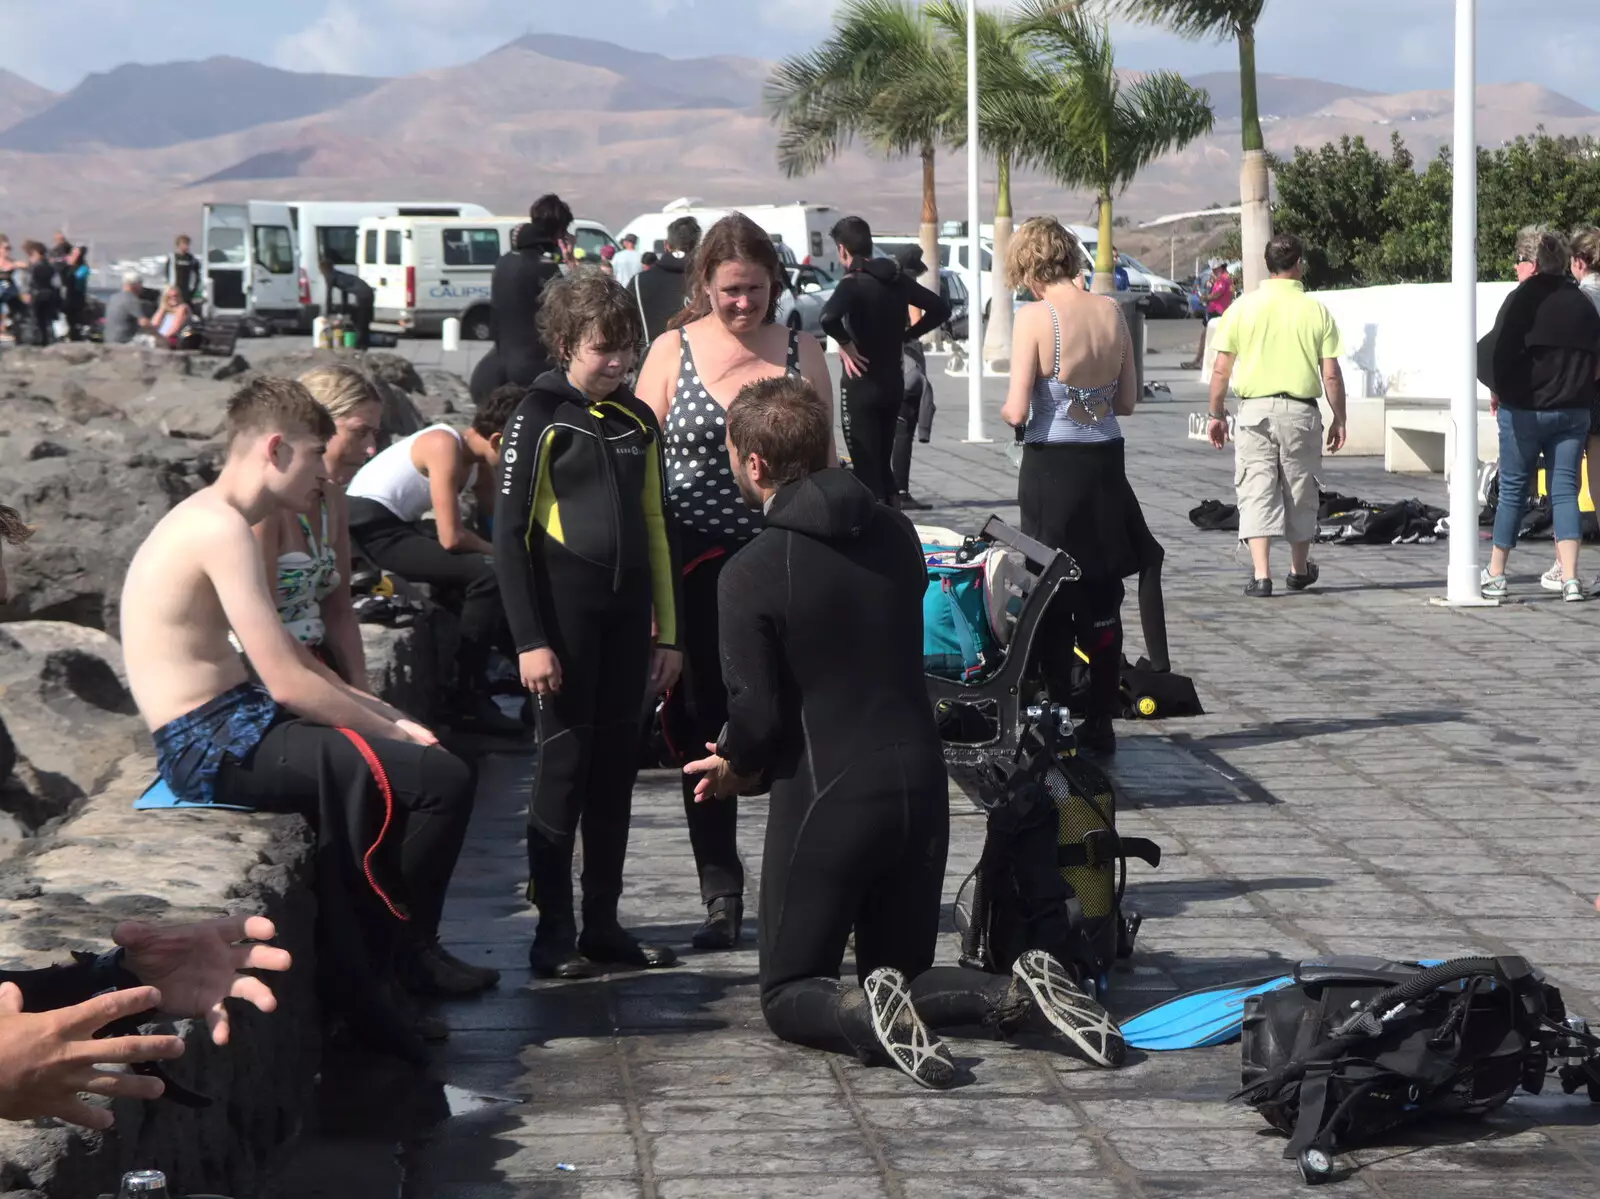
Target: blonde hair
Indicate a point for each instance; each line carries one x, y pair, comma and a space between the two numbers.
1586, 245
1044, 251
339, 389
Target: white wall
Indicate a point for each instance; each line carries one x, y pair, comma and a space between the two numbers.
1404, 336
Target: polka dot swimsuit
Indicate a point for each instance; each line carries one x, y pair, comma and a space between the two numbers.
701, 492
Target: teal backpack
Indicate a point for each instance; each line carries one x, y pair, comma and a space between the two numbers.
957, 642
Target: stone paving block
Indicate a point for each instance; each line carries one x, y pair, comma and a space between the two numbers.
692, 1079
963, 1149
795, 1186
737, 1154
485, 1155
745, 1113
1199, 1151
1018, 1183
995, 1068
1173, 1115
1036, 1114
559, 1186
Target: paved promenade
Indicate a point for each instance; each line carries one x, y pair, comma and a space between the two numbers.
1374, 775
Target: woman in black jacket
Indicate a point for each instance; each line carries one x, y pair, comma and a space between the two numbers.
1540, 364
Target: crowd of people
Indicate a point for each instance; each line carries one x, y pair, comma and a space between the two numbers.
49, 284
692, 533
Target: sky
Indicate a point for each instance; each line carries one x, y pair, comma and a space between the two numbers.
1384, 45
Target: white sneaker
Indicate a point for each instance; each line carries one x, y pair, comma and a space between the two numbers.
1572, 592
1492, 586
1551, 579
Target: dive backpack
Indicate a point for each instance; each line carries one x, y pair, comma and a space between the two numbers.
1053, 870
1358, 1046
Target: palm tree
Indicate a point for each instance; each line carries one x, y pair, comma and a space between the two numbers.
1223, 19
1003, 67
1079, 122
884, 75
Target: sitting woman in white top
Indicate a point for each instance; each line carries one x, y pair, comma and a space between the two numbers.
308, 553
391, 494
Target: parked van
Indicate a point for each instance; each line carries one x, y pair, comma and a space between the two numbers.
250, 270
803, 228
329, 229
424, 270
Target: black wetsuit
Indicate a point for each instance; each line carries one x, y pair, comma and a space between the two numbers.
183, 272
583, 555
660, 292
515, 292
44, 304
868, 310
821, 629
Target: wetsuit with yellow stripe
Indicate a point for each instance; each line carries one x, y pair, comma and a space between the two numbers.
584, 558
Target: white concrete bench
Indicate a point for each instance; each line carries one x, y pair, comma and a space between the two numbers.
1420, 435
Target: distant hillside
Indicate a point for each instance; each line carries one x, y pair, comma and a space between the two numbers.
717, 82
20, 98
1277, 95
140, 107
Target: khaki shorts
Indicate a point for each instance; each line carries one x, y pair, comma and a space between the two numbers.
1277, 451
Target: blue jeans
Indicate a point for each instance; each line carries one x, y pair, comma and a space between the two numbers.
1558, 434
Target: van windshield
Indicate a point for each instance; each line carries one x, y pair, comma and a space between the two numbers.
590, 241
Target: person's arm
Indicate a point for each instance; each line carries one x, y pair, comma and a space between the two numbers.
342, 629
659, 374
439, 456
231, 560
1128, 396
814, 369
524, 463
1332, 345
666, 662
750, 643
833, 312
1221, 373
935, 308
1024, 369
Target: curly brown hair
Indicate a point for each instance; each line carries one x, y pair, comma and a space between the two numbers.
735, 238
12, 529
1044, 251
588, 307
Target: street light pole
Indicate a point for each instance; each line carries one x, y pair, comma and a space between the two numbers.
974, 241
1463, 584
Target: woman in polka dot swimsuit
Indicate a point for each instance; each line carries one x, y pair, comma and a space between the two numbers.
723, 339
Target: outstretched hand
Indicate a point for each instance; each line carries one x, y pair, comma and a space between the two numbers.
196, 966
49, 1059
717, 779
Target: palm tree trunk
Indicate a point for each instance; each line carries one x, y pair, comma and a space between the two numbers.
1255, 183
997, 338
1105, 260
928, 231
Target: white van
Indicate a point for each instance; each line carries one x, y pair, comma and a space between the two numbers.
423, 270
247, 257
804, 228
328, 229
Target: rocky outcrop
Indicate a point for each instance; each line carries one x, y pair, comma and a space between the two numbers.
97, 443
66, 709
109, 863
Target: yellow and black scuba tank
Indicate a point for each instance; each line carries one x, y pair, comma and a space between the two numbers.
1053, 871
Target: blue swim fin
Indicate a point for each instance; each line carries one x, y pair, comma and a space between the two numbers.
1211, 1016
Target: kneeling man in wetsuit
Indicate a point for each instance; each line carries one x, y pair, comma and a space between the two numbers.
821, 632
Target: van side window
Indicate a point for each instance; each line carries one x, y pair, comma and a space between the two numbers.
337, 243
371, 255
391, 247
816, 243
471, 247
274, 249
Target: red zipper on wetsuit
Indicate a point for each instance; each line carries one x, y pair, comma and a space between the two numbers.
382, 779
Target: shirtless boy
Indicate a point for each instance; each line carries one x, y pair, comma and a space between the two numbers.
284, 744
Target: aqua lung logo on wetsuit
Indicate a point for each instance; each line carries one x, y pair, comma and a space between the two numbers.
508, 456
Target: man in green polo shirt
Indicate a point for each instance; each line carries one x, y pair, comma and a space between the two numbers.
1280, 349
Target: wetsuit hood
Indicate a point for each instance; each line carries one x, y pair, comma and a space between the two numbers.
884, 270
672, 263
829, 504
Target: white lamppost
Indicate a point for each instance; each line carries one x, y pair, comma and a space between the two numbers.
1463, 582
974, 241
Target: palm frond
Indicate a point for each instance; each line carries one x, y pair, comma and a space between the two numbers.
1196, 20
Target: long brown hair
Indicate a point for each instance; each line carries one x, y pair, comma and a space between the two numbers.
735, 238
11, 527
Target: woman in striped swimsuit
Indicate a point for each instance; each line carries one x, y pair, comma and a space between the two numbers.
723, 339
1067, 392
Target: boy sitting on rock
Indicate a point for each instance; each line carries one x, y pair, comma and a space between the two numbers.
391, 807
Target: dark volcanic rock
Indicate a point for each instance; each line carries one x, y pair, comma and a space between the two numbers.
66, 708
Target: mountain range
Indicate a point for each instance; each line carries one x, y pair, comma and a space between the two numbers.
127, 156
